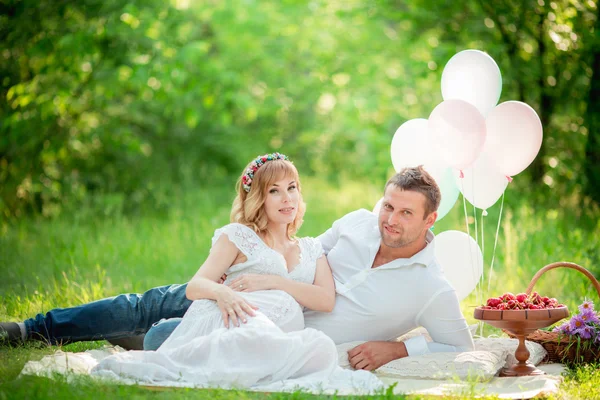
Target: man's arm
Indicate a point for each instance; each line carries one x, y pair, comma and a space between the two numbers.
445, 324
330, 237
346, 223
443, 320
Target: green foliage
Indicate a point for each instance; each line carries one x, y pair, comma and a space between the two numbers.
121, 102
119, 105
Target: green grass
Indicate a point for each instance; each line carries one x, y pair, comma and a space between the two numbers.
85, 256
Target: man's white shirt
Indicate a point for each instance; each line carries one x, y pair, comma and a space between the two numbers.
385, 302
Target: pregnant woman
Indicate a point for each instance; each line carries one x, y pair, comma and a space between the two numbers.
249, 332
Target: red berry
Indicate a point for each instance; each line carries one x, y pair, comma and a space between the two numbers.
494, 301
508, 296
512, 304
522, 297
536, 299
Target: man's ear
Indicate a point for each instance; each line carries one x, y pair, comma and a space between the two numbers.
430, 220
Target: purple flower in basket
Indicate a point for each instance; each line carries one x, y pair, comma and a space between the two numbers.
577, 322
590, 317
565, 328
586, 306
586, 332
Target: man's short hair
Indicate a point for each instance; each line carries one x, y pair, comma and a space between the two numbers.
418, 180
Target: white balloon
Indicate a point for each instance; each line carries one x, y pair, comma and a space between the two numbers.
377, 207
472, 76
411, 145
482, 184
449, 192
461, 260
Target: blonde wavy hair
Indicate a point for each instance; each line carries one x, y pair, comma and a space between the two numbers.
248, 207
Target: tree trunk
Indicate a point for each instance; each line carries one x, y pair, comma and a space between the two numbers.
537, 168
592, 115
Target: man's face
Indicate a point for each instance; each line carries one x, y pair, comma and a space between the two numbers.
402, 219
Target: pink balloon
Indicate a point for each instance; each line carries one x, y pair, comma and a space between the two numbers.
514, 136
482, 184
458, 132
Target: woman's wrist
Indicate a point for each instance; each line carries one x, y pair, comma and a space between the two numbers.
277, 282
219, 290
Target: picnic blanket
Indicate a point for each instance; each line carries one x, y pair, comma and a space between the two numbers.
75, 365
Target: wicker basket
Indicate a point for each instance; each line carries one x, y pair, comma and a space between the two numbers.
562, 348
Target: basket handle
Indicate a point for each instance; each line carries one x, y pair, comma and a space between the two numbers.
565, 265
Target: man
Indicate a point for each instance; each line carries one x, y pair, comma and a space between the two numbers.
387, 281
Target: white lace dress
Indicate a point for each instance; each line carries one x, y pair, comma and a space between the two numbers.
271, 352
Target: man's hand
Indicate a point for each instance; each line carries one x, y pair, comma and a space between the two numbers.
372, 355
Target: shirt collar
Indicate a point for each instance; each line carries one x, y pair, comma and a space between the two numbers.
423, 257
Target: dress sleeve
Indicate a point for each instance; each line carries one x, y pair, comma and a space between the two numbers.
446, 325
244, 238
316, 248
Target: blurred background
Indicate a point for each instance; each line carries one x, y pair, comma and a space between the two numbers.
124, 126
119, 106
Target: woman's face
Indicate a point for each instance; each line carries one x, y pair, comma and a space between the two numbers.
281, 202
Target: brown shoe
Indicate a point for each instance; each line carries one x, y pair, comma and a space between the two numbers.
129, 343
10, 333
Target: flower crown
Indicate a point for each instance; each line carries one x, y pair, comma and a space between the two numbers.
256, 164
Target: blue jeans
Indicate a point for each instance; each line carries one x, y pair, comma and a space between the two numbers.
160, 332
112, 318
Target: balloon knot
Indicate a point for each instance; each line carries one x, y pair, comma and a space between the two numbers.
484, 213
509, 179
462, 175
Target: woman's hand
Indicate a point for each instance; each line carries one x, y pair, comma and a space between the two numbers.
233, 306
254, 282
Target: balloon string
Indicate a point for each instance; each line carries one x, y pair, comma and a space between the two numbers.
478, 287
474, 209
495, 244
462, 184
475, 268
482, 266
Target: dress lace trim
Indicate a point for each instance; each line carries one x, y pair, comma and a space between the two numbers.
264, 260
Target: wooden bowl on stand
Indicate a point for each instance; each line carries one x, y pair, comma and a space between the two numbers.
521, 323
